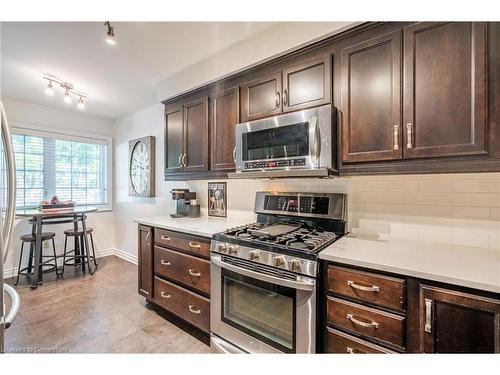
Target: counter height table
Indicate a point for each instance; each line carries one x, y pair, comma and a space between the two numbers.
39, 218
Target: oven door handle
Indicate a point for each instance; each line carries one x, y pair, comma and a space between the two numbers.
308, 283
314, 139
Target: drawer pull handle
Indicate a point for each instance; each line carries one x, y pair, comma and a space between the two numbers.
194, 273
428, 315
372, 288
166, 238
165, 295
165, 262
350, 350
360, 323
194, 310
194, 245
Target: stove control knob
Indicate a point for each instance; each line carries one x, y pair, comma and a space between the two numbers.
279, 261
295, 265
254, 255
232, 249
221, 247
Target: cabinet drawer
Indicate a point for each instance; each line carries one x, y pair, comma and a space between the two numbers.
184, 242
183, 303
369, 287
186, 269
366, 321
342, 343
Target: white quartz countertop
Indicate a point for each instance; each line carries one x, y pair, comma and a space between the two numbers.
471, 267
203, 226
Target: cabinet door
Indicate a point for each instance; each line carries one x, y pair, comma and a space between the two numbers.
225, 115
261, 97
174, 139
455, 322
196, 135
445, 89
371, 99
145, 261
307, 85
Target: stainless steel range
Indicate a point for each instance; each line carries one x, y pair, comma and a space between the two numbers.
263, 275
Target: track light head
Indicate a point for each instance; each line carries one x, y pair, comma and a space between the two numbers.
49, 90
110, 34
81, 104
67, 97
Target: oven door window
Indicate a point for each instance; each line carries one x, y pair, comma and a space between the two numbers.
276, 143
260, 309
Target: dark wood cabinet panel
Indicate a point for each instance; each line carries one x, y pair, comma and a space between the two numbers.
174, 139
261, 97
145, 261
371, 99
307, 85
225, 110
445, 89
342, 343
196, 135
456, 322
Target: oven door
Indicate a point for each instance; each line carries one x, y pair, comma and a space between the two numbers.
299, 140
261, 313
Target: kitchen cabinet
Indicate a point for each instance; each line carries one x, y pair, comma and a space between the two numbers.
371, 100
457, 322
174, 138
300, 85
195, 156
145, 261
225, 112
445, 89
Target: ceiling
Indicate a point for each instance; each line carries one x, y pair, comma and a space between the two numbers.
118, 79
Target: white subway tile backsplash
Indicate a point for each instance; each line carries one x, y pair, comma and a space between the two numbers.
495, 242
495, 185
470, 239
466, 212
434, 186
495, 213
434, 235
486, 199
468, 186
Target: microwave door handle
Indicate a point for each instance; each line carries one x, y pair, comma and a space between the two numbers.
215, 259
314, 140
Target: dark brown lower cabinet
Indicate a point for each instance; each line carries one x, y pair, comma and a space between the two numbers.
456, 322
145, 261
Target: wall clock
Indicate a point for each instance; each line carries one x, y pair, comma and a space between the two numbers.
142, 167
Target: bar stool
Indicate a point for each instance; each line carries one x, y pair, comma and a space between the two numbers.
81, 254
51, 259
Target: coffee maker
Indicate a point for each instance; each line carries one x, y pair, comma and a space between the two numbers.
186, 204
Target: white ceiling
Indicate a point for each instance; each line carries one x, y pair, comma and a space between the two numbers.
118, 80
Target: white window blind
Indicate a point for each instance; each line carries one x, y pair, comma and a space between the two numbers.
48, 164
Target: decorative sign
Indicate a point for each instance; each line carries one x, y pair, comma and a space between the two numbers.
217, 199
142, 167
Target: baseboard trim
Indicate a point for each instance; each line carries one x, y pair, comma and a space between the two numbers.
126, 256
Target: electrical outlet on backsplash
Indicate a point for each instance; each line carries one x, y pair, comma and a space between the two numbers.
461, 209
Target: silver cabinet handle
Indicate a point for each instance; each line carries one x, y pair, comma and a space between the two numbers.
285, 98
278, 98
184, 158
349, 350
314, 139
234, 154
396, 137
194, 245
165, 295
180, 159
165, 262
428, 315
11, 187
147, 238
194, 273
409, 135
372, 288
194, 310
372, 324
165, 238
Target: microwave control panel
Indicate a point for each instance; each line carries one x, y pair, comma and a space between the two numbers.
275, 163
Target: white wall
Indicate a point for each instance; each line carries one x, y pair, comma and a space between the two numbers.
37, 115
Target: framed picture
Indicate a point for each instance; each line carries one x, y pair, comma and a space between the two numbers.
142, 167
217, 199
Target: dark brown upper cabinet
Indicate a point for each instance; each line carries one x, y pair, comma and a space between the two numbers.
456, 322
174, 138
261, 97
195, 156
145, 261
307, 85
445, 89
371, 99
225, 114
298, 86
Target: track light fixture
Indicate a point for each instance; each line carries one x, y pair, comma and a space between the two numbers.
110, 34
69, 90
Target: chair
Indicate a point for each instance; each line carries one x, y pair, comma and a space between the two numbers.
51, 259
80, 253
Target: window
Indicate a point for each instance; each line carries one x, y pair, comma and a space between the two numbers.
47, 164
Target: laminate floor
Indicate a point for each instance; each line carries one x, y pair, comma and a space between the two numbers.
101, 313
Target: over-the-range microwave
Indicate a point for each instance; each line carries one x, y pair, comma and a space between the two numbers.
298, 144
